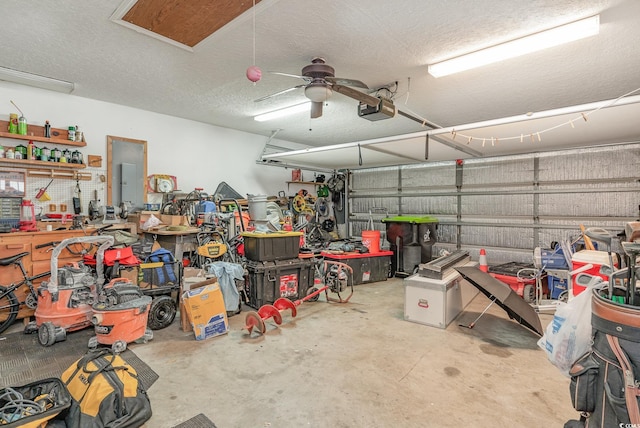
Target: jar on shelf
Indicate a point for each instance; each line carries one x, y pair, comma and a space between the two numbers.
66, 156
21, 151
10, 154
45, 154
78, 136
72, 133
56, 154
75, 158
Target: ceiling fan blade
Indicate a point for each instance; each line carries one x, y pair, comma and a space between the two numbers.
316, 109
357, 95
305, 78
347, 82
279, 93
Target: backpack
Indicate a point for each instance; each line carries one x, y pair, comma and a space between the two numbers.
106, 392
165, 273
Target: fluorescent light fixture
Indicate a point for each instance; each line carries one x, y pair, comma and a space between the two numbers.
522, 46
23, 78
298, 108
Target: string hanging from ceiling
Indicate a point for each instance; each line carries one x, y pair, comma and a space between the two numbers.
254, 73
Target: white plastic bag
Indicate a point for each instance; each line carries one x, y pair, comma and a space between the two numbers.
568, 335
152, 222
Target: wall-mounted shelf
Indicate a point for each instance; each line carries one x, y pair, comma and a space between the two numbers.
36, 133
36, 164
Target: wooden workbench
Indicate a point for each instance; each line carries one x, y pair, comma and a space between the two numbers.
37, 261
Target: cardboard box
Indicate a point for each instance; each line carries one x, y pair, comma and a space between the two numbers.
191, 274
165, 219
204, 306
130, 272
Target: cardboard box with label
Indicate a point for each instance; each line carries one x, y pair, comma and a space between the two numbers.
205, 309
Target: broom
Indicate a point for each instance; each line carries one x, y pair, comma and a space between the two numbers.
42, 194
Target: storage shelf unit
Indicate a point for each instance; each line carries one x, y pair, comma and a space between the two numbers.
60, 138
36, 164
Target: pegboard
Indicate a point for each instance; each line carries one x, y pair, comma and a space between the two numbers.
62, 190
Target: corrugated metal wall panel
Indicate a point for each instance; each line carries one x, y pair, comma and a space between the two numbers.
590, 204
593, 163
497, 205
514, 202
435, 206
495, 170
438, 175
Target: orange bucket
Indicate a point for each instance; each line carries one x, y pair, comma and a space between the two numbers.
371, 240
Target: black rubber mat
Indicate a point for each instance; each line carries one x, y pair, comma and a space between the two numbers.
198, 421
24, 360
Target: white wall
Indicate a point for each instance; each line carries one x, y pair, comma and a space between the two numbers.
200, 155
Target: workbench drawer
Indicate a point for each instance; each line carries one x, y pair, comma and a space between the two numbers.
73, 251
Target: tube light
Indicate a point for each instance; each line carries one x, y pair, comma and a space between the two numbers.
298, 108
535, 42
37, 81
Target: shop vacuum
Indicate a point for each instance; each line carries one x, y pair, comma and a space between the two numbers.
120, 316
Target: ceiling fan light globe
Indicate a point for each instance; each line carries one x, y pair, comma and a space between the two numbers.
318, 93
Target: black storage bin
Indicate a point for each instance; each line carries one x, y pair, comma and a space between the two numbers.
367, 267
411, 239
265, 247
268, 281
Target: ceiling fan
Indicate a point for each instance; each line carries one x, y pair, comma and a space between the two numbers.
321, 82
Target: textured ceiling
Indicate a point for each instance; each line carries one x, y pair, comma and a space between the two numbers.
377, 41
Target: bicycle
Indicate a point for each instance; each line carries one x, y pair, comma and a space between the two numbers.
9, 304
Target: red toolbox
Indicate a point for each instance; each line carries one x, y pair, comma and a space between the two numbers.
519, 276
367, 267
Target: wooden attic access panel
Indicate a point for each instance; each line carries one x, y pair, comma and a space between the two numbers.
186, 21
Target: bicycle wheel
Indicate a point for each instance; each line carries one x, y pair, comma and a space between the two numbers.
8, 308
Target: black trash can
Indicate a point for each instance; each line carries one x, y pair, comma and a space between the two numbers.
411, 239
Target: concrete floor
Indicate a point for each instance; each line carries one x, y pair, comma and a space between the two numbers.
359, 365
